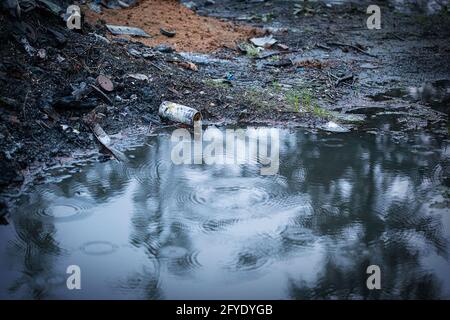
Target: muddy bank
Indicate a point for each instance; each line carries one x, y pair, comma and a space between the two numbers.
330, 67
41, 117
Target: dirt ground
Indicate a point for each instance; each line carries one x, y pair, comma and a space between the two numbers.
330, 67
194, 33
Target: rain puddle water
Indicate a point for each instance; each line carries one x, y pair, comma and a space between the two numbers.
151, 229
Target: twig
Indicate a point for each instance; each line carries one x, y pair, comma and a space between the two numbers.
24, 104
104, 96
154, 65
344, 78
275, 53
322, 46
339, 44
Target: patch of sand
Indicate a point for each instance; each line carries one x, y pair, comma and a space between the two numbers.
194, 33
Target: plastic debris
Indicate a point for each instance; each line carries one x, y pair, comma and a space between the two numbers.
190, 5
179, 113
101, 38
124, 30
332, 126
138, 76
282, 46
42, 53
264, 42
134, 52
105, 140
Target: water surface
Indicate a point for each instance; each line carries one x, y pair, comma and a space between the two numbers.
149, 229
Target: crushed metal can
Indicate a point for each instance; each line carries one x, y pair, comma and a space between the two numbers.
179, 113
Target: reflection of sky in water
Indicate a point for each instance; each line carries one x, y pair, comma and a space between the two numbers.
150, 229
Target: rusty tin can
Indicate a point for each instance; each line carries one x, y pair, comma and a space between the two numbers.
179, 113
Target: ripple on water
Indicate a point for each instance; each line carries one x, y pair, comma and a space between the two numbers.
178, 259
214, 225
332, 142
294, 235
62, 210
185, 264
149, 171
230, 198
172, 252
98, 248
222, 196
249, 261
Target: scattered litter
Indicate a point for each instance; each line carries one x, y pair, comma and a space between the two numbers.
105, 83
190, 5
81, 91
124, 30
123, 4
134, 52
179, 113
148, 55
334, 127
282, 46
138, 76
101, 38
230, 76
167, 33
164, 48
105, 140
265, 42
349, 118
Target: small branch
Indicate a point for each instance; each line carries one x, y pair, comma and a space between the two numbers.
339, 44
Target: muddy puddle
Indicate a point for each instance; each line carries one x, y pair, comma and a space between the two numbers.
150, 229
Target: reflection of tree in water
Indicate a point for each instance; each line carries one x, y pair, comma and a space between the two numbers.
382, 209
366, 198
36, 247
102, 182
35, 242
154, 225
